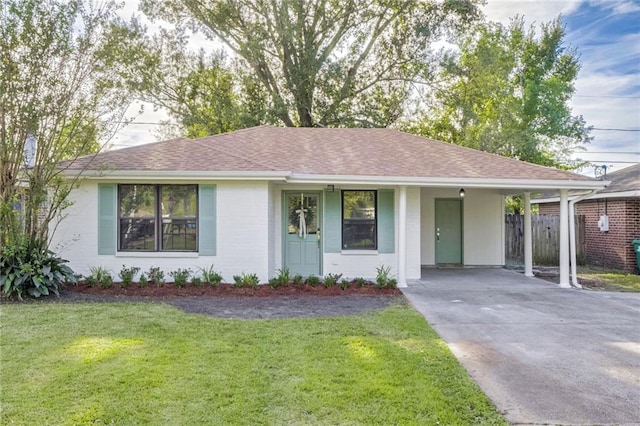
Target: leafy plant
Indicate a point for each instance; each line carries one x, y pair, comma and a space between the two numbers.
127, 274
297, 279
283, 278
384, 278
361, 282
246, 280
313, 281
25, 268
196, 280
331, 279
180, 276
156, 275
143, 280
99, 275
344, 284
211, 276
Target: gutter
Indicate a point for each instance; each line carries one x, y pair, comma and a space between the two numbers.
572, 236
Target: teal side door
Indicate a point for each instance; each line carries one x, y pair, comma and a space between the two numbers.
448, 220
302, 249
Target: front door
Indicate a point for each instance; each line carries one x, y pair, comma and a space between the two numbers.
302, 232
448, 221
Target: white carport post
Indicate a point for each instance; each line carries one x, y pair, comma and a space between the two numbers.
402, 237
564, 239
528, 241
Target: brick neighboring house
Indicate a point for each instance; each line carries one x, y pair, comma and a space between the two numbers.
620, 203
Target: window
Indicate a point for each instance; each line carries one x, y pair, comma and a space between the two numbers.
157, 217
359, 220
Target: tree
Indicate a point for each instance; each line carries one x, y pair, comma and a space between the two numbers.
508, 94
61, 93
326, 62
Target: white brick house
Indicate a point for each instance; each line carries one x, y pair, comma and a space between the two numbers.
369, 197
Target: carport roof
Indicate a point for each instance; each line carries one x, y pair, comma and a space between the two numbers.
355, 152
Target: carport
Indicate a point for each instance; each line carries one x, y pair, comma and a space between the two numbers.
542, 353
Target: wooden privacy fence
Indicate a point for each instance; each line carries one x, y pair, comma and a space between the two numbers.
546, 239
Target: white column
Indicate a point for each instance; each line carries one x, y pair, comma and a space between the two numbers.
402, 237
564, 239
528, 241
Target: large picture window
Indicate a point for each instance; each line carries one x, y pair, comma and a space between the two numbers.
359, 220
157, 217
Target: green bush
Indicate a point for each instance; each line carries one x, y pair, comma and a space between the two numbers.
297, 279
361, 282
331, 279
99, 276
156, 275
196, 280
283, 278
180, 276
211, 276
384, 278
344, 284
313, 281
143, 280
246, 280
27, 269
127, 274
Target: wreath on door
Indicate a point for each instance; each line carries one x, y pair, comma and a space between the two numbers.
294, 216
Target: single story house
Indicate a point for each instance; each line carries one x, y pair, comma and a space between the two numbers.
314, 200
612, 219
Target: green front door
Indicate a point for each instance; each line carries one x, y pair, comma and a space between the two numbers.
448, 221
302, 235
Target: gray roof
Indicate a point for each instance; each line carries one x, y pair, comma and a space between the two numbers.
320, 151
627, 179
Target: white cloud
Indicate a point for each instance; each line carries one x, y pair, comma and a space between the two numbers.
533, 10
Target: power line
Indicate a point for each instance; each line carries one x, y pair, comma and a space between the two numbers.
612, 152
615, 130
606, 96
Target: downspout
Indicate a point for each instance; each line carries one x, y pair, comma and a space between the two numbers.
572, 236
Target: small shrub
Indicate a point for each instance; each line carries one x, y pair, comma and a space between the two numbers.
313, 281
100, 276
196, 280
127, 274
156, 275
361, 282
246, 280
331, 279
344, 284
297, 279
211, 276
283, 278
143, 280
180, 276
26, 268
384, 278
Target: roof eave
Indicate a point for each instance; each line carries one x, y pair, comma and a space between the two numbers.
517, 184
119, 175
596, 196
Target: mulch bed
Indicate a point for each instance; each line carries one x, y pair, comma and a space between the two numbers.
222, 290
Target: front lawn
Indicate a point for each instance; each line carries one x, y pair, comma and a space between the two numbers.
153, 364
606, 279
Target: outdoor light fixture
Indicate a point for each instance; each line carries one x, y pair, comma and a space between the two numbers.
330, 188
461, 193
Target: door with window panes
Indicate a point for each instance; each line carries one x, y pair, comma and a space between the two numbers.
302, 233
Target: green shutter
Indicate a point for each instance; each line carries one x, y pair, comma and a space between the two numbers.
207, 220
386, 222
332, 222
107, 218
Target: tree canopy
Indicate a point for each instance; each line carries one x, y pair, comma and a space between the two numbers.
327, 62
508, 92
61, 86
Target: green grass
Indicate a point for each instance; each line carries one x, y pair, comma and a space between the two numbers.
153, 364
607, 279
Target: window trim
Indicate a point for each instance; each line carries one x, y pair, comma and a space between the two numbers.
158, 219
375, 221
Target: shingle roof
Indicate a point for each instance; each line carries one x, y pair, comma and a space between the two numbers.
627, 179
320, 151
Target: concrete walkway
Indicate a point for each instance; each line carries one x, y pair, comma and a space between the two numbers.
544, 355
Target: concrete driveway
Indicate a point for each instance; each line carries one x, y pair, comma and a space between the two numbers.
544, 355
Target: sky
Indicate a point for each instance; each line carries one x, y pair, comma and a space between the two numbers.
606, 35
